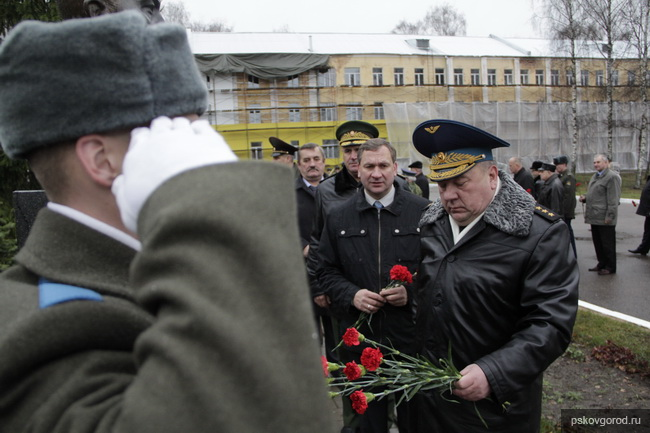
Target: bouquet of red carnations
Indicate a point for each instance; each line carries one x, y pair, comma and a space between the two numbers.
391, 372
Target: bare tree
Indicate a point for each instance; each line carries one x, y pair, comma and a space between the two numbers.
440, 20
636, 16
564, 23
406, 28
605, 27
175, 12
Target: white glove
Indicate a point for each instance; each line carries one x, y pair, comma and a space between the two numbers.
158, 153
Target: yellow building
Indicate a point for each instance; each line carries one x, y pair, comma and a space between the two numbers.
300, 87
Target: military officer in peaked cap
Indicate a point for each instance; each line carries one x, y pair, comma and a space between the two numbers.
283, 153
497, 282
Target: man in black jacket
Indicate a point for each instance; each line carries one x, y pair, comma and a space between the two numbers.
551, 193
521, 175
362, 240
498, 283
644, 211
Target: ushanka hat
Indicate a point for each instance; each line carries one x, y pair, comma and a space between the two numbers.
454, 147
60, 81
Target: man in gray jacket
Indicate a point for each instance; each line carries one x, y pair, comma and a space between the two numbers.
602, 200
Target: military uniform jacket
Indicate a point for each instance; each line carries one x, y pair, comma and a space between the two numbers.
551, 194
602, 198
358, 248
203, 333
569, 200
504, 297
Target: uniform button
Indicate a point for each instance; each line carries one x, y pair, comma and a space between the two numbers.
418, 229
363, 232
396, 230
451, 259
342, 232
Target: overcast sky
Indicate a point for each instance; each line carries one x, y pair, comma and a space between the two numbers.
507, 18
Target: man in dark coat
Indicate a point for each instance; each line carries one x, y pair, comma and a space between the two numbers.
133, 305
362, 240
644, 210
497, 283
521, 175
551, 193
569, 200
311, 163
420, 179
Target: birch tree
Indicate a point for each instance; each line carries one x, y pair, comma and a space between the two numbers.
636, 16
563, 21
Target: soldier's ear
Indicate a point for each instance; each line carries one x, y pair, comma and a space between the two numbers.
95, 8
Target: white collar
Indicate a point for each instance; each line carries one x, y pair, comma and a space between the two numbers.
96, 224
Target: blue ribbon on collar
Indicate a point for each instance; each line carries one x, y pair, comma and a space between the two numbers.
51, 293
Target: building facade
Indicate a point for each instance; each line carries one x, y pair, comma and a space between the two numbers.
300, 87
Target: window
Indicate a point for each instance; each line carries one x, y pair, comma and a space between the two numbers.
600, 78
555, 77
293, 81
254, 114
614, 77
584, 78
328, 113
354, 113
440, 76
419, 77
507, 77
331, 149
476, 77
253, 82
539, 77
379, 111
377, 77
631, 78
492, 77
398, 73
523, 77
352, 76
570, 79
294, 114
458, 76
327, 77
256, 150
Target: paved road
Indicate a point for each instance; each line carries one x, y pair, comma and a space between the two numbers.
627, 291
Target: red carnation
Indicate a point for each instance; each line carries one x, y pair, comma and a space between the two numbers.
325, 365
401, 273
352, 371
371, 358
352, 337
360, 401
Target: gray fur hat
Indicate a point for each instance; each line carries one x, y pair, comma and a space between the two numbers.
60, 81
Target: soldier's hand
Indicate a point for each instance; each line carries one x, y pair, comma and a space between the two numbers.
396, 296
367, 301
473, 385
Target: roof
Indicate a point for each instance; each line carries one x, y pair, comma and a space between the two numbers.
372, 44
